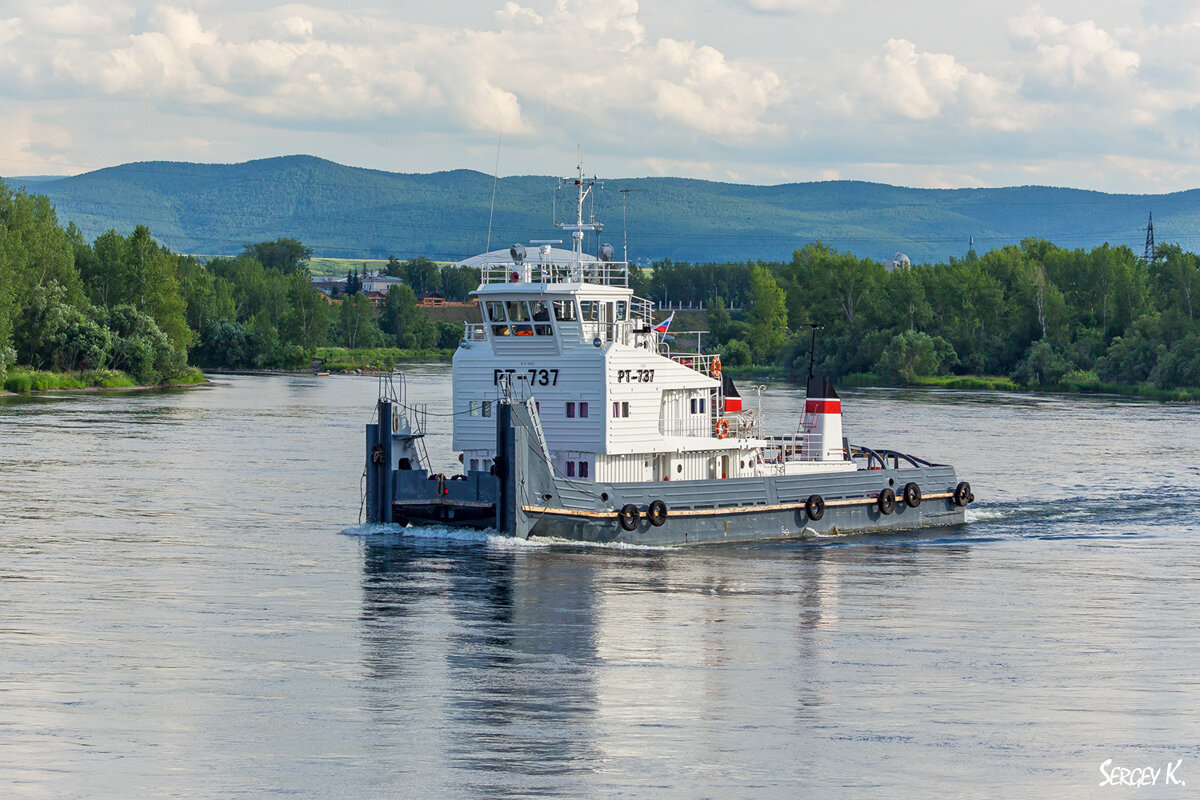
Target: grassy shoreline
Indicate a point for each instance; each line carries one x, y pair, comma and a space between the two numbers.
22, 381
1002, 383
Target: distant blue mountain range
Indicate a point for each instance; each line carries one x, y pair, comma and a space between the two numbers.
350, 212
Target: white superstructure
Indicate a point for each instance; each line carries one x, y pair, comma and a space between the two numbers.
615, 404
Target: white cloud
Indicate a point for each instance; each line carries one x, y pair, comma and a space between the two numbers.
29, 146
790, 6
76, 18
295, 27
514, 14
889, 92
703, 91
906, 82
576, 58
1075, 56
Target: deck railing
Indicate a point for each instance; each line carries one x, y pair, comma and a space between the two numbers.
603, 273
796, 447
701, 362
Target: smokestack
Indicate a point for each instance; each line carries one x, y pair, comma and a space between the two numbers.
823, 418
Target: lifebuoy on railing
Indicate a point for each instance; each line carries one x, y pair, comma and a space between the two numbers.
722, 428
716, 367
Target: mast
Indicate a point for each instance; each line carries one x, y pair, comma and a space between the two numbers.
583, 188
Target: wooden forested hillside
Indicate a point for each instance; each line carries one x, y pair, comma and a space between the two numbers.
362, 213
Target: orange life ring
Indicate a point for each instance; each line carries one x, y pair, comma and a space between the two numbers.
722, 428
716, 367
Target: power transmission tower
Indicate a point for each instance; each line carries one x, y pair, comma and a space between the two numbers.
1149, 256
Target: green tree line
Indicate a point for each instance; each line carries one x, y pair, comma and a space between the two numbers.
1043, 315
127, 304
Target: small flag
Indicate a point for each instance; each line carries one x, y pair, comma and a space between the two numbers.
666, 323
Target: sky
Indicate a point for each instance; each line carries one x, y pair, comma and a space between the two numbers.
1097, 95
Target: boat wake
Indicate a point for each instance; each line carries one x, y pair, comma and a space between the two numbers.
488, 537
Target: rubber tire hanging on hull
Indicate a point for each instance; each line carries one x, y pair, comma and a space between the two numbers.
962, 494
628, 516
657, 513
886, 501
815, 507
912, 495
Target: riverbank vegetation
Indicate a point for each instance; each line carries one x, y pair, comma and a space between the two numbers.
124, 310
1028, 316
1032, 315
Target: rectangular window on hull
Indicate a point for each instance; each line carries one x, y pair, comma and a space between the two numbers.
583, 469
583, 410
570, 469
570, 411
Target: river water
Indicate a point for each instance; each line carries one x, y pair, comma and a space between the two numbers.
183, 616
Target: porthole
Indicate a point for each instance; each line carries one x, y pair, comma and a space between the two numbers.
678, 468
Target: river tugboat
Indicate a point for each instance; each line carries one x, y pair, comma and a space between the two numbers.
575, 420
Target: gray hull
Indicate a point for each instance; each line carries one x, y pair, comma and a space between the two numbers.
523, 498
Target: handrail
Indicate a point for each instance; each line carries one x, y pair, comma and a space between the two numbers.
602, 273
881, 457
701, 362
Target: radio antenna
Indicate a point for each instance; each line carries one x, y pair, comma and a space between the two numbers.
624, 227
495, 179
812, 352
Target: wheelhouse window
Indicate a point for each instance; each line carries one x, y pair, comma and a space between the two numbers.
564, 310
481, 408
495, 314
583, 469
519, 318
541, 314
570, 469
